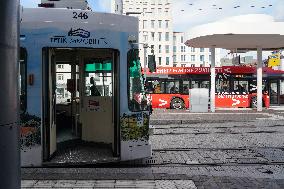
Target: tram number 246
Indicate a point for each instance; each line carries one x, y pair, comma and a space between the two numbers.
81, 15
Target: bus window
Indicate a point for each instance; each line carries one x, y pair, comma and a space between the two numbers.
149, 87
241, 86
159, 86
172, 87
136, 95
222, 86
185, 87
205, 84
23, 80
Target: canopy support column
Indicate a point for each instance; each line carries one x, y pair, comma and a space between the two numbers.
259, 79
213, 73
10, 172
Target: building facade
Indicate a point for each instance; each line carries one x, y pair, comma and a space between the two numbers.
155, 27
184, 56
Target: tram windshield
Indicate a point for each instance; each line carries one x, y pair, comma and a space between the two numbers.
137, 98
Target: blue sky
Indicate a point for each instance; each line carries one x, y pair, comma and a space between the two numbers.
97, 5
189, 13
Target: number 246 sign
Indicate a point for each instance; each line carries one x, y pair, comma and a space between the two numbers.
80, 15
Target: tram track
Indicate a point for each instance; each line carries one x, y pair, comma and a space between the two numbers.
185, 157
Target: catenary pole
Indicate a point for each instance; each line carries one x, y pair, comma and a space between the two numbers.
259, 79
213, 75
9, 103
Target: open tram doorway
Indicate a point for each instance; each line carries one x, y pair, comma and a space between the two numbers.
81, 105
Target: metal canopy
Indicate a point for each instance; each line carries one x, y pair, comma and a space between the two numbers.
242, 42
247, 32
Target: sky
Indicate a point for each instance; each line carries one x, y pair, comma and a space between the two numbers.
189, 13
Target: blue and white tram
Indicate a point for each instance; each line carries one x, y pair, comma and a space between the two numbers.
82, 93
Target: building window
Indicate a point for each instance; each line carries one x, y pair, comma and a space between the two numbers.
167, 24
153, 36
60, 77
182, 48
202, 58
175, 58
183, 65
160, 23
145, 35
174, 38
160, 36
201, 49
153, 10
160, 60
144, 10
167, 60
193, 58
174, 65
192, 65
192, 49
209, 58
182, 57
152, 23
160, 48
144, 24
60, 66
167, 36
159, 11
152, 49
175, 49
181, 39
167, 49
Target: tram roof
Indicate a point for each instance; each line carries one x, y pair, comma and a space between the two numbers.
244, 33
61, 17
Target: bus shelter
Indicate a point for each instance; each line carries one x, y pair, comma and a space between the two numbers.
244, 33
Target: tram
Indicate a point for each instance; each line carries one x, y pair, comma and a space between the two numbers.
81, 88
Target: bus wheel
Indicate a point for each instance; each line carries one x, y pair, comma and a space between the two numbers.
177, 103
253, 102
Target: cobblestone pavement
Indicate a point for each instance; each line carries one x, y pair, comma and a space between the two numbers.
143, 184
236, 149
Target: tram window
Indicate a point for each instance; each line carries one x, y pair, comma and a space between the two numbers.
23, 80
98, 78
63, 73
136, 95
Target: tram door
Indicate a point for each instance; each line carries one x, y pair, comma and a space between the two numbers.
99, 102
49, 102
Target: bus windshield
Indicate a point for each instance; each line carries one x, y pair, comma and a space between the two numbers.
137, 98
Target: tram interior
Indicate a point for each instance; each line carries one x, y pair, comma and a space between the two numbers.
83, 82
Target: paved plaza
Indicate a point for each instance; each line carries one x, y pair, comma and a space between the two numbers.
227, 149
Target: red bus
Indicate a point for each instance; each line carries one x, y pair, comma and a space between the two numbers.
235, 86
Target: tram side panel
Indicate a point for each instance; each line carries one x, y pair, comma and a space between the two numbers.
31, 119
